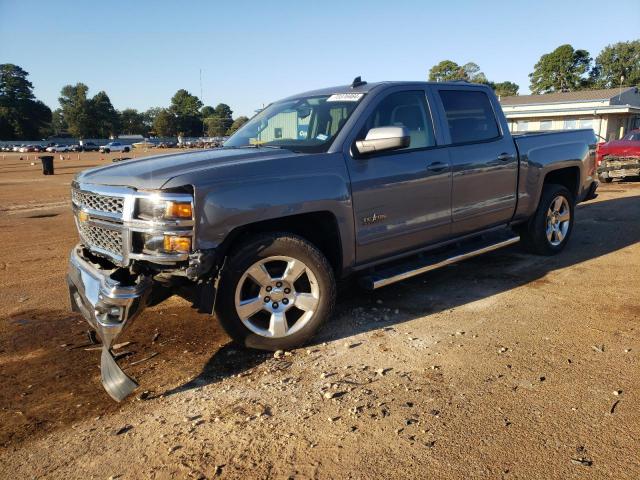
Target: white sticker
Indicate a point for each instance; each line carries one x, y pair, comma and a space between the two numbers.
322, 136
345, 97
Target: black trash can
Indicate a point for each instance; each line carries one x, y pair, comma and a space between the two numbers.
47, 164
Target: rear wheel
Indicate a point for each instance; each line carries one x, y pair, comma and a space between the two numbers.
548, 231
275, 292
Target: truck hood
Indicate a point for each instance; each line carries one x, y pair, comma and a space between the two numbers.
622, 148
151, 173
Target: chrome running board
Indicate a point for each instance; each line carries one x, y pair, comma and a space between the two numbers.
400, 272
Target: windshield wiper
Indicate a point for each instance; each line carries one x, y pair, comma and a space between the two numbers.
277, 147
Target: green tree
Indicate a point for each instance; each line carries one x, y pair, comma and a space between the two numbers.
207, 111
448, 70
21, 115
618, 65
58, 124
104, 118
133, 122
164, 123
186, 108
216, 126
445, 71
183, 103
562, 70
237, 123
505, 89
76, 109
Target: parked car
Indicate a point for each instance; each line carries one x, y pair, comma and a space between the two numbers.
88, 146
75, 147
143, 144
58, 148
114, 147
385, 182
620, 158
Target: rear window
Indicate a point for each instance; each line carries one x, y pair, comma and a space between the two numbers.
469, 116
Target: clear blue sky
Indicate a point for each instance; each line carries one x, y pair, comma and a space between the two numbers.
141, 51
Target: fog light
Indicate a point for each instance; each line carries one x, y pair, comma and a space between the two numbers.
177, 244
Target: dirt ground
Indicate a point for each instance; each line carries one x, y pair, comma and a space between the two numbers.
504, 366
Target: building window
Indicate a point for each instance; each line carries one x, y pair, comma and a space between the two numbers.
585, 123
522, 125
546, 124
570, 124
277, 132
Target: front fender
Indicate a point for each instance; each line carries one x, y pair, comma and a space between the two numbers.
233, 197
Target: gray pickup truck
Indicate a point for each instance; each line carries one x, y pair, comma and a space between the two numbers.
377, 182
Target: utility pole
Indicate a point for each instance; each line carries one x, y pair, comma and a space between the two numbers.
202, 100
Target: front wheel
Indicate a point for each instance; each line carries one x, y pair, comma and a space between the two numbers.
548, 231
275, 292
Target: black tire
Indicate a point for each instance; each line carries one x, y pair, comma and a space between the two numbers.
533, 234
262, 247
126, 149
106, 150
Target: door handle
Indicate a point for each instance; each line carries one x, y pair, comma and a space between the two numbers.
436, 166
505, 157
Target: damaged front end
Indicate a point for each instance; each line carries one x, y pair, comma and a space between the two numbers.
109, 298
619, 167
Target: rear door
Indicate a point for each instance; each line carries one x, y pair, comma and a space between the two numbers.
401, 198
483, 158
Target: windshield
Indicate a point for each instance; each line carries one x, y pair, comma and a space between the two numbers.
632, 136
304, 124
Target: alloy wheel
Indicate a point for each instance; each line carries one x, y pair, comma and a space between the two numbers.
558, 220
277, 296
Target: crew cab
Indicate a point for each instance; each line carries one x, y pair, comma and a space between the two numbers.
619, 158
114, 147
377, 182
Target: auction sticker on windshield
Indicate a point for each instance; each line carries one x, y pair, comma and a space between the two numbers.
345, 97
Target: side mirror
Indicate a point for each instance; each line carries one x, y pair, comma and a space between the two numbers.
382, 139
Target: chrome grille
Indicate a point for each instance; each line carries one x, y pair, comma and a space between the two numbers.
103, 238
100, 203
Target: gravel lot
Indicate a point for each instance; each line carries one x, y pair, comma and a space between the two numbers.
504, 366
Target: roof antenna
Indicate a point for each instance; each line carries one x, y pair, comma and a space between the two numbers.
357, 82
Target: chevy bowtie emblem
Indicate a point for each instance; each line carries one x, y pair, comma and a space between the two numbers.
373, 219
83, 216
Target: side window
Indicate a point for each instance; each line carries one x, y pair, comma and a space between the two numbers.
469, 116
406, 109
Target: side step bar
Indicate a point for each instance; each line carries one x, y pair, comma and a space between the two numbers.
397, 273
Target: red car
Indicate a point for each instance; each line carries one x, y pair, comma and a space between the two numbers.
619, 158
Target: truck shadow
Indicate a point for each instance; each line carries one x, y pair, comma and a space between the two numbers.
601, 228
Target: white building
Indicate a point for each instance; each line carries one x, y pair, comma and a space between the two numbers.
611, 112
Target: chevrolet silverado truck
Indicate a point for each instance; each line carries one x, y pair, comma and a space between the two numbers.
619, 158
376, 182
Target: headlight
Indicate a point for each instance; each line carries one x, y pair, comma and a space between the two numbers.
156, 209
163, 243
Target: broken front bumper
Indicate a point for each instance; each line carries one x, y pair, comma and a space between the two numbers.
109, 305
619, 167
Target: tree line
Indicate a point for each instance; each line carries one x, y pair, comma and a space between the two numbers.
80, 115
565, 69
23, 117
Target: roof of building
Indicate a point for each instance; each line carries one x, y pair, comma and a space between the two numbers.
560, 97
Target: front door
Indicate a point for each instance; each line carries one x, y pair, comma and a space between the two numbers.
401, 198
